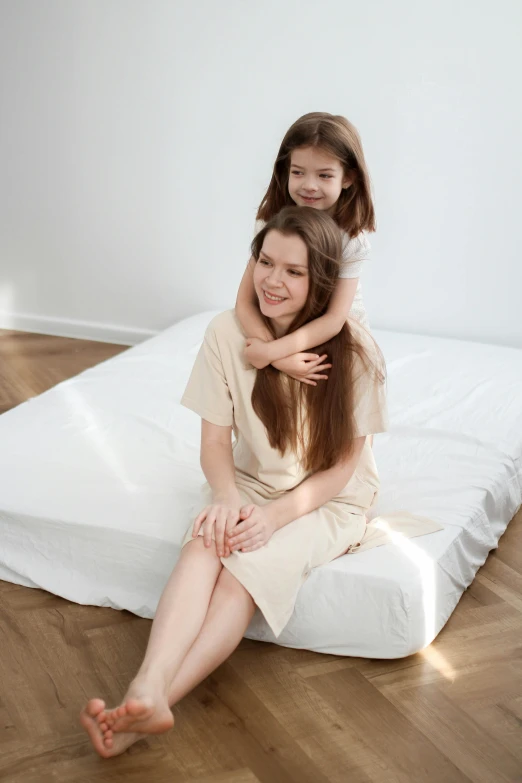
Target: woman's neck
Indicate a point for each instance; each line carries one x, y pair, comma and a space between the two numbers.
281, 325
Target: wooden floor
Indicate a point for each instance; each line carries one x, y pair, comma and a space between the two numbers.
450, 714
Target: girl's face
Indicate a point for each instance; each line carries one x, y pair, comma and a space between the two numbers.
281, 278
316, 178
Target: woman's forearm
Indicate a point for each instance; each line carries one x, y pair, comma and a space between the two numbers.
314, 491
217, 464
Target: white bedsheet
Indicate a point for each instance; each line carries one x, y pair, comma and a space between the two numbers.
98, 478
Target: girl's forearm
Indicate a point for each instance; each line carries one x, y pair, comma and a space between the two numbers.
309, 336
251, 321
314, 491
321, 329
217, 464
247, 309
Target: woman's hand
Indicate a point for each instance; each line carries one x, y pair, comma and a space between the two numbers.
222, 517
304, 367
254, 531
257, 352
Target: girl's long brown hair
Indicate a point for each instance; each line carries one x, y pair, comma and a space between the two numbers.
354, 210
317, 422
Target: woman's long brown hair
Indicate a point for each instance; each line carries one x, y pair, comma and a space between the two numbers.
354, 211
317, 422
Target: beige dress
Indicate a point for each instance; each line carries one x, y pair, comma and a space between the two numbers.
220, 390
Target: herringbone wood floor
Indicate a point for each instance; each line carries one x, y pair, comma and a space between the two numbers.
451, 714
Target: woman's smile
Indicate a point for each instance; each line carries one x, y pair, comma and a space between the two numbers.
273, 299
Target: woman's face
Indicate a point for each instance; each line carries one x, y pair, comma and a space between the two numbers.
281, 278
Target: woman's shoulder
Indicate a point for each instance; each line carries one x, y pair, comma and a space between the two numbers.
225, 328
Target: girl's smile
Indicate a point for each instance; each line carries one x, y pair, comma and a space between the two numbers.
310, 201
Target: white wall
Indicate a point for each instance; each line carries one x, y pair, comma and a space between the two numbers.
137, 137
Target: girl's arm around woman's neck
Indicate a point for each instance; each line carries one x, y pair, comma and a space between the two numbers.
247, 307
320, 330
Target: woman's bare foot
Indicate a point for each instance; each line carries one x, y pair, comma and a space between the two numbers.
104, 742
144, 709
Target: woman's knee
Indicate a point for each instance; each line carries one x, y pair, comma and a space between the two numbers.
228, 582
197, 549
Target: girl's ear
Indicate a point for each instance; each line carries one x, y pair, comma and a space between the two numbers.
349, 178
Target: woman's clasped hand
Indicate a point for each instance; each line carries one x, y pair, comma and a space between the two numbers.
234, 528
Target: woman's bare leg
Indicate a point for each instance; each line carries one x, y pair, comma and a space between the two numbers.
181, 611
143, 710
180, 615
228, 616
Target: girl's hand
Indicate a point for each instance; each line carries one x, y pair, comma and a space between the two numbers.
222, 517
304, 367
254, 531
257, 352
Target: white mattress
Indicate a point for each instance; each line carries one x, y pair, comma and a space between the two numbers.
99, 475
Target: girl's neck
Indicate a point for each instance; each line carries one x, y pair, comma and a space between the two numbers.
333, 210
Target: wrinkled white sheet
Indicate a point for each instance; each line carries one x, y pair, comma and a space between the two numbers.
99, 475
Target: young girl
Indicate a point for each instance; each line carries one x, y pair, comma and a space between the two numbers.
320, 164
292, 494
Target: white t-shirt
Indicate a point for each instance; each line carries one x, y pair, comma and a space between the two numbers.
356, 250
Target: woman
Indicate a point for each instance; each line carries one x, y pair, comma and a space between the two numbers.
289, 495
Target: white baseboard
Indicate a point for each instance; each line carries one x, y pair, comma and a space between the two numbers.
83, 330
